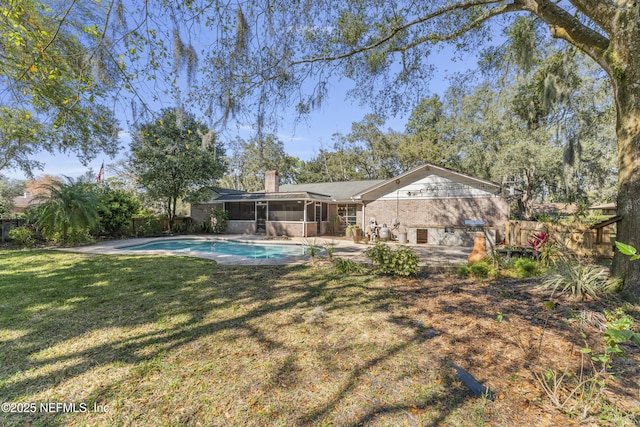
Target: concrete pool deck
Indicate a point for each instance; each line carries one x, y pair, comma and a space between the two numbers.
430, 255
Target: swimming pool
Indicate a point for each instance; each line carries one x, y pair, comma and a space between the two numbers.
222, 247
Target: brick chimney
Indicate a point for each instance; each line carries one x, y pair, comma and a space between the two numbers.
271, 182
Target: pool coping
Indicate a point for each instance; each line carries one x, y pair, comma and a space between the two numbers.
429, 255
118, 247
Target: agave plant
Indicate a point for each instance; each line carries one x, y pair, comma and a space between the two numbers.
579, 279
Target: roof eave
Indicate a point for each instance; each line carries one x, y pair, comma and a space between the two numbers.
426, 166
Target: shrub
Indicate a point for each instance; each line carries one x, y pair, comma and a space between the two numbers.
619, 330
481, 270
380, 254
526, 267
147, 226
79, 236
312, 249
185, 226
330, 249
73, 237
116, 209
219, 219
402, 262
628, 250
580, 279
463, 270
545, 247
22, 236
347, 266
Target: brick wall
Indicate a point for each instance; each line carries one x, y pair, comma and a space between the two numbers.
493, 211
200, 213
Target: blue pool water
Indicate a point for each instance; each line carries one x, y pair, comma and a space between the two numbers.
247, 250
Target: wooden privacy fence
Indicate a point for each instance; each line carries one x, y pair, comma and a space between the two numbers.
578, 239
8, 224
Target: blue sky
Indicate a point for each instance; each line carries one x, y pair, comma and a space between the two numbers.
302, 141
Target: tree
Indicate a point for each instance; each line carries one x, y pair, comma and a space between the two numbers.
560, 91
40, 186
250, 160
116, 209
338, 165
428, 136
529, 127
490, 142
9, 188
365, 153
174, 158
55, 69
70, 207
375, 152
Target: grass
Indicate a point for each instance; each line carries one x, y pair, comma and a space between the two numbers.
173, 341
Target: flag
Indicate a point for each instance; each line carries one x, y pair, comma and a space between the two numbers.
101, 173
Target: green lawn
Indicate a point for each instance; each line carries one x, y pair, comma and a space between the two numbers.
182, 341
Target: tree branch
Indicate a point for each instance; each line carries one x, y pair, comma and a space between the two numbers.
561, 25
565, 26
395, 31
473, 24
601, 12
53, 38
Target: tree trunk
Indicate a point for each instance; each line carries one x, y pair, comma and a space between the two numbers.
171, 213
628, 231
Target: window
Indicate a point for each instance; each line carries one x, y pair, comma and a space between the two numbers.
317, 212
348, 214
286, 211
241, 211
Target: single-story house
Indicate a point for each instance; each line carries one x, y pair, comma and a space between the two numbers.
20, 203
430, 203
554, 209
605, 208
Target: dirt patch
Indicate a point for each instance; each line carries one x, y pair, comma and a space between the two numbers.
506, 332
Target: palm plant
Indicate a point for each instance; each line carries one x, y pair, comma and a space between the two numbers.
69, 206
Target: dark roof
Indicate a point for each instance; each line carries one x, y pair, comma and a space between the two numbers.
247, 196
227, 191
341, 191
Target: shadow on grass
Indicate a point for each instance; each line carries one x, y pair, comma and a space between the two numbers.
201, 326
66, 315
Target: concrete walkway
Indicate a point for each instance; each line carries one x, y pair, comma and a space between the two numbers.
430, 255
